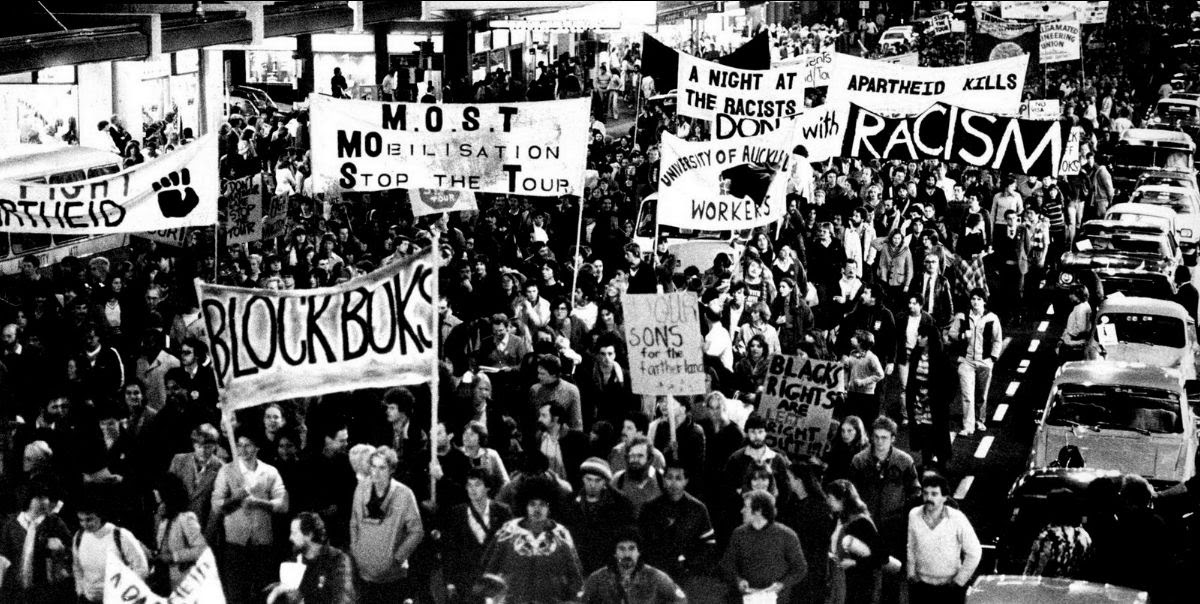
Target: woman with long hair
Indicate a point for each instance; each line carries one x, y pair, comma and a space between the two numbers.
792, 315
857, 553
750, 371
852, 439
178, 537
785, 265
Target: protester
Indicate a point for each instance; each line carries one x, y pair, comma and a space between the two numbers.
535, 555
385, 528
763, 555
629, 578
943, 550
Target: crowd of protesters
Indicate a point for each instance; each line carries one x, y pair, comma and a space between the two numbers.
550, 480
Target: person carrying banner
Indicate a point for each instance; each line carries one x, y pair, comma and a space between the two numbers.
91, 547
328, 573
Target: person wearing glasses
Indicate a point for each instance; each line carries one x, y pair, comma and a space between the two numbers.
934, 290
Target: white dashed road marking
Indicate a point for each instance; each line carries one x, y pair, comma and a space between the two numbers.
1012, 389
1050, 310
1024, 366
1001, 409
1043, 326
1033, 344
984, 446
963, 487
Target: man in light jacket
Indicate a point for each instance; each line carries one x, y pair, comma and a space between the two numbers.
943, 550
385, 529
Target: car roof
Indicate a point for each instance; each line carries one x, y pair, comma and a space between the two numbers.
1139, 304
1006, 589
1117, 373
1125, 227
1158, 136
1143, 209
1183, 96
1163, 172
1039, 482
1165, 189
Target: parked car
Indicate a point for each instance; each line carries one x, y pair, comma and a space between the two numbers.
1142, 149
1016, 589
1145, 330
251, 100
900, 34
1142, 213
1113, 256
1180, 111
1129, 417
1186, 204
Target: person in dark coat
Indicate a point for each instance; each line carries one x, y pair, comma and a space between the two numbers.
467, 530
807, 512
328, 574
929, 392
595, 513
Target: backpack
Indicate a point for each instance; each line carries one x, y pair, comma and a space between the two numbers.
116, 537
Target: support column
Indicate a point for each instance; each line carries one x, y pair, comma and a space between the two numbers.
382, 55
304, 52
127, 96
456, 52
96, 103
211, 91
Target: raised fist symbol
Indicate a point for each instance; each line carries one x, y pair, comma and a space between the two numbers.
175, 198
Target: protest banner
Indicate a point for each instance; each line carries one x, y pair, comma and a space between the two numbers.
954, 134
172, 237
819, 130
1091, 11
940, 24
660, 62
1006, 29
1041, 109
711, 91
201, 584
814, 66
909, 58
243, 209
797, 402
1070, 164
1059, 41
665, 347
373, 331
720, 185
436, 201
992, 87
176, 190
537, 149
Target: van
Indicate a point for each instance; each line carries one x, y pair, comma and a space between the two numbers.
1143, 149
36, 163
690, 247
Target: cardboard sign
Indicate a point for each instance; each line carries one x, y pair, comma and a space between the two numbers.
814, 65
1106, 334
665, 347
797, 403
201, 584
243, 209
537, 149
955, 134
991, 87
1041, 109
1059, 42
275, 216
373, 331
172, 237
940, 24
435, 201
715, 185
176, 190
711, 91
1070, 164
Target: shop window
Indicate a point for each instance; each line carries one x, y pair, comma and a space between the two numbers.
270, 67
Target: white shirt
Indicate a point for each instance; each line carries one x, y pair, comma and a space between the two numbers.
948, 552
92, 556
911, 328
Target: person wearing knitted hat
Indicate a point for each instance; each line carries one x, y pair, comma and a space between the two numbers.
595, 510
535, 555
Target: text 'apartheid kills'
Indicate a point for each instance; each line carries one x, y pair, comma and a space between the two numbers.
931, 88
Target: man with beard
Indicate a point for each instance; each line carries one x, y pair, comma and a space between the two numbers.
679, 536
153, 362
595, 512
756, 454
628, 579
640, 482
330, 481
932, 195
328, 576
564, 447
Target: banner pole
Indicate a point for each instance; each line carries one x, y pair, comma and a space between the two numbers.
216, 251
577, 261
435, 365
637, 112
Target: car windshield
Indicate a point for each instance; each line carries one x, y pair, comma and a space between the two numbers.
1109, 241
1148, 285
1177, 111
1142, 155
1112, 407
1133, 218
1155, 330
1171, 199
